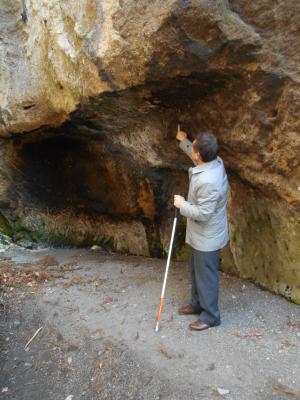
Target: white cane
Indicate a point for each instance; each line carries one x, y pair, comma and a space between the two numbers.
166, 272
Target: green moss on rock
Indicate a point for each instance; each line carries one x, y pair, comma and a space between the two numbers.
4, 226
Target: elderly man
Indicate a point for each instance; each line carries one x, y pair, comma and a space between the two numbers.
207, 226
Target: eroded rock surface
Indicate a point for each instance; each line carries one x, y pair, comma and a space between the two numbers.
91, 93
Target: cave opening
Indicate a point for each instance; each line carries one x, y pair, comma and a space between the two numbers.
57, 172
81, 190
46, 165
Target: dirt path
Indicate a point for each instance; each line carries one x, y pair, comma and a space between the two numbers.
97, 313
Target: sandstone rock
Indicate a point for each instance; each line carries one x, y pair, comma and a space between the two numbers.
97, 88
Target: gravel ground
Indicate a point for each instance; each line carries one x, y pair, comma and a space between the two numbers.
97, 312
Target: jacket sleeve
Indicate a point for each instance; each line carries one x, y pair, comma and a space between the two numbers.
186, 146
207, 199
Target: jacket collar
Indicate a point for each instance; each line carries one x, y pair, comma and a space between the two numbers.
206, 166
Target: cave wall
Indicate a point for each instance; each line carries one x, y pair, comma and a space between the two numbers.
90, 96
73, 189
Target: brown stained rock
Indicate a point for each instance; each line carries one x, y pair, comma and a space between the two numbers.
146, 199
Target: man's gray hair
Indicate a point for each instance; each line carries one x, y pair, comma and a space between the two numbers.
206, 144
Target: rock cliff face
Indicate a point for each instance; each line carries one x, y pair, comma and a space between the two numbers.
90, 96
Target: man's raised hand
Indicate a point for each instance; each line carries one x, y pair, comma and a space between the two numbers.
180, 134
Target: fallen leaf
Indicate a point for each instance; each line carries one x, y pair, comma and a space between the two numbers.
284, 389
47, 261
249, 335
26, 276
108, 345
96, 336
64, 364
107, 300
211, 367
260, 317
222, 392
98, 367
76, 279
287, 343
243, 288
164, 352
294, 324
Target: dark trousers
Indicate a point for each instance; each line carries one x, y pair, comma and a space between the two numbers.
204, 267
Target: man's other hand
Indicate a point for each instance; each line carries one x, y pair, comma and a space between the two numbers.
180, 134
178, 200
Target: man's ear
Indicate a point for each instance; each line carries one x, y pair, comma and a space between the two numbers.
198, 157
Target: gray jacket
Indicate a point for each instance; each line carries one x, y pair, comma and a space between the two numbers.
205, 209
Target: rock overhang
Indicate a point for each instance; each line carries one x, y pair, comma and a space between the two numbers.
112, 80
